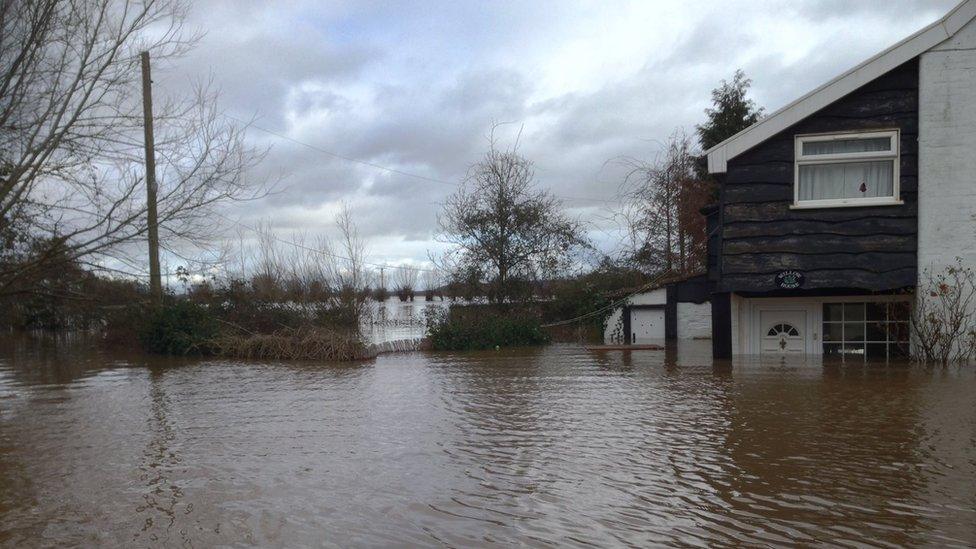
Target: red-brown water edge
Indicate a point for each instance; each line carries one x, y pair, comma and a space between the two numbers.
555, 446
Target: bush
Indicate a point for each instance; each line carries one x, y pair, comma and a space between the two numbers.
453, 332
302, 344
179, 328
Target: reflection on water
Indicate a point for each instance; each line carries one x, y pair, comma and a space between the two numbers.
554, 446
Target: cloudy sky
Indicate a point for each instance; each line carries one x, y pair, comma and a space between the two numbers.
415, 87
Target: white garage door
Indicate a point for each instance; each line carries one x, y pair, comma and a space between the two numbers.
646, 325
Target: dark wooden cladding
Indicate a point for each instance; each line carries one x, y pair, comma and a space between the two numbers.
773, 263
835, 279
820, 244
866, 248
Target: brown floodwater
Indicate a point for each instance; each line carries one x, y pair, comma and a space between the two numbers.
539, 447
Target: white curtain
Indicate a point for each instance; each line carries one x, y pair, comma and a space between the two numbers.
843, 180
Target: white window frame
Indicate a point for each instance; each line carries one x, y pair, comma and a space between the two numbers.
805, 160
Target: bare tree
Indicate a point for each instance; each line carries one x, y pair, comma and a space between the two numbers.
351, 271
269, 264
432, 284
943, 319
500, 225
666, 230
406, 283
71, 174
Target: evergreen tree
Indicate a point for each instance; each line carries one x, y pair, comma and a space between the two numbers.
731, 112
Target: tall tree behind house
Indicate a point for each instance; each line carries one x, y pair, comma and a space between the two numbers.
666, 231
731, 112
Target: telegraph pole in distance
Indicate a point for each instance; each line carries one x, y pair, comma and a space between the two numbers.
155, 281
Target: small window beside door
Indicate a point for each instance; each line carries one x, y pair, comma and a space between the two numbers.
873, 331
848, 169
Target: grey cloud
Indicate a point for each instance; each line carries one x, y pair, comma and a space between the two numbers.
418, 90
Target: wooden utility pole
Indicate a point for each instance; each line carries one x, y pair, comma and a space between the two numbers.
155, 280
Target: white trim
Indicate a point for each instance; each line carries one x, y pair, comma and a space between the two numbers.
846, 203
907, 49
799, 140
893, 154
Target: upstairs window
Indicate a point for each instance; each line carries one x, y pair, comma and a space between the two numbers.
850, 169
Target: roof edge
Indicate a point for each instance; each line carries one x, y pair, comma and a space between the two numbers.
841, 85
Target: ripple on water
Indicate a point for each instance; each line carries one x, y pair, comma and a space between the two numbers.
541, 447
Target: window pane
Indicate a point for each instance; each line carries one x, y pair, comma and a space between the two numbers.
898, 350
898, 331
845, 180
876, 351
840, 146
877, 311
831, 349
853, 331
900, 311
833, 331
833, 312
876, 331
853, 311
853, 350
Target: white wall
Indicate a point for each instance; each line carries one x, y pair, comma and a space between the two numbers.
739, 334
947, 152
947, 155
653, 297
695, 320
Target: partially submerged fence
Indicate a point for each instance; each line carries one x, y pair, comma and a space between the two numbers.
395, 346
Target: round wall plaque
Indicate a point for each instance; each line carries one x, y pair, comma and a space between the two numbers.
789, 280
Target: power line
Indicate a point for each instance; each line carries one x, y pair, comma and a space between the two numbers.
610, 305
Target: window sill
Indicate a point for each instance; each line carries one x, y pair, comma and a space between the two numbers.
821, 204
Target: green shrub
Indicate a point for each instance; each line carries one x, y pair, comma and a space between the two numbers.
452, 332
179, 328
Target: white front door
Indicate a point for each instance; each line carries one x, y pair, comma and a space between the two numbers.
782, 332
646, 325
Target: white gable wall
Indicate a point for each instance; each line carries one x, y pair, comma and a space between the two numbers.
947, 152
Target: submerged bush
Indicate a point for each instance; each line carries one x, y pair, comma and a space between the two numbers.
460, 332
301, 344
179, 328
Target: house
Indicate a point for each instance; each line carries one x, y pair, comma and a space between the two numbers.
831, 207
676, 308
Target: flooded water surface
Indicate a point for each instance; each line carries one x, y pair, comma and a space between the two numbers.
540, 447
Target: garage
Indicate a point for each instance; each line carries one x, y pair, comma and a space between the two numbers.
646, 324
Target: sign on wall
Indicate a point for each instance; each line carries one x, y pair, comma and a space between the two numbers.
789, 280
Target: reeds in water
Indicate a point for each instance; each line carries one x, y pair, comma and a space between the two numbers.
292, 344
